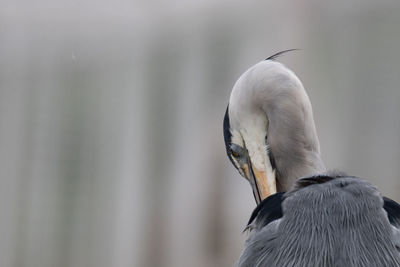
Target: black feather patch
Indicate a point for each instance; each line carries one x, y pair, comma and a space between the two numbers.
275, 56
319, 179
270, 209
393, 210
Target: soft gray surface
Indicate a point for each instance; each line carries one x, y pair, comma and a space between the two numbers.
111, 111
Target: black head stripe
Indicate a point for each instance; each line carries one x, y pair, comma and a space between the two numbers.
228, 135
275, 56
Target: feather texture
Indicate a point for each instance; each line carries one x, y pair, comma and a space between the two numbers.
339, 221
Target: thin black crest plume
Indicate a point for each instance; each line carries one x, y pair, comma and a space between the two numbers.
275, 56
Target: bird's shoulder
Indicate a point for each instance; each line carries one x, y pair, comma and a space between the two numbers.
322, 216
337, 187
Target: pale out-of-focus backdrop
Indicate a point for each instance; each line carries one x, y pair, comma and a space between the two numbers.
111, 120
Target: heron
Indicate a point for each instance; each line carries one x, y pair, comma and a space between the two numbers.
305, 214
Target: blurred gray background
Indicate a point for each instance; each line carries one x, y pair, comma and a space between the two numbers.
111, 120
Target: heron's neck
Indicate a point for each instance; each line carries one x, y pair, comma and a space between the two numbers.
293, 141
293, 168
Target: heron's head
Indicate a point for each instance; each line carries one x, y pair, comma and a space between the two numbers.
269, 129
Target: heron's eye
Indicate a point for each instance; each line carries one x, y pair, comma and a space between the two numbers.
234, 153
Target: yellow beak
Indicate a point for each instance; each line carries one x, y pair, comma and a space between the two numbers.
262, 185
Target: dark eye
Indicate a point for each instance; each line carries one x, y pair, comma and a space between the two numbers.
234, 153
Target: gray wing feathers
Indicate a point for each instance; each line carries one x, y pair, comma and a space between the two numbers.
338, 223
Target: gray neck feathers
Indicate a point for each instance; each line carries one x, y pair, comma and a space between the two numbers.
291, 133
